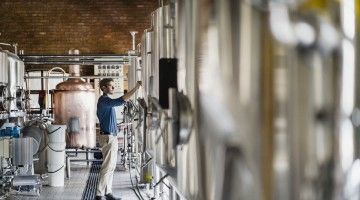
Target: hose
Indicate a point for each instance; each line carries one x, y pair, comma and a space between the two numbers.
53, 172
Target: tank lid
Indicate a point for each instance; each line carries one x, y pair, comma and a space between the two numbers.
74, 84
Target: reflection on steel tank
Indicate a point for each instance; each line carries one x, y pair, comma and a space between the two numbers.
74, 105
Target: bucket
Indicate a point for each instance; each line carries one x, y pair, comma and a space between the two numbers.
56, 133
56, 175
56, 153
56, 163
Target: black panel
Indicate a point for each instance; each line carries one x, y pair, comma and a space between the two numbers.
167, 79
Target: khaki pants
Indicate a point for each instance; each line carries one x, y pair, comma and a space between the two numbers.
109, 149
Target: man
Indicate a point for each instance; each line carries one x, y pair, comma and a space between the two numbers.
108, 136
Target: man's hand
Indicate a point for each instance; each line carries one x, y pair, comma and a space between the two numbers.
132, 91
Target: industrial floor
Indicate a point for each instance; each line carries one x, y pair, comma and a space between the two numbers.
74, 188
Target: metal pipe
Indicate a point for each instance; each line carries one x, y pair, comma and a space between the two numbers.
148, 153
133, 33
27, 86
155, 103
74, 70
5, 44
79, 62
47, 85
75, 59
15, 48
72, 56
144, 131
57, 77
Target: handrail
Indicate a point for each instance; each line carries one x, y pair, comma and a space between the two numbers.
47, 86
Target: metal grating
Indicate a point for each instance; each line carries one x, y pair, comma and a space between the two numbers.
91, 183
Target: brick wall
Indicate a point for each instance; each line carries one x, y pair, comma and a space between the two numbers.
92, 26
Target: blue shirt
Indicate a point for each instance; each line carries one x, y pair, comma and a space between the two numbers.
106, 113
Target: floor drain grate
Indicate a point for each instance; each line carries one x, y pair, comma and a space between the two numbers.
90, 188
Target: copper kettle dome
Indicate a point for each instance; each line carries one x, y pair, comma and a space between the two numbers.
74, 84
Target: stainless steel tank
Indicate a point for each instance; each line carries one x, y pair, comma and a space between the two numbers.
134, 75
20, 73
157, 141
162, 45
155, 53
143, 62
167, 51
147, 144
221, 158
227, 57
3, 98
315, 101
347, 140
15, 83
274, 87
74, 106
146, 62
167, 32
190, 171
3, 67
39, 134
20, 85
23, 150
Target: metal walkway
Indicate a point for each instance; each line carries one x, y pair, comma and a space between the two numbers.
75, 188
90, 188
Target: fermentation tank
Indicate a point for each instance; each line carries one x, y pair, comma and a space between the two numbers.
20, 72
12, 71
155, 53
74, 105
146, 60
3, 67
3, 79
274, 96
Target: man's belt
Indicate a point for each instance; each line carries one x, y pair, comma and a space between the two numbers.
104, 133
